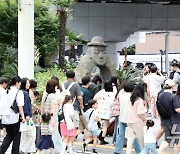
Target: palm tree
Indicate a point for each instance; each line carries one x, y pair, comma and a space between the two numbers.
72, 39
63, 7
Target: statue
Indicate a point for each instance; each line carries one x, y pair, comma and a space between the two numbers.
95, 56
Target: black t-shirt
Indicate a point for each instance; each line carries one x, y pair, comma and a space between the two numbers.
170, 105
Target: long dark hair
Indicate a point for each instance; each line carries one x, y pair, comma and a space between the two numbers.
66, 99
114, 80
23, 84
108, 86
138, 92
121, 86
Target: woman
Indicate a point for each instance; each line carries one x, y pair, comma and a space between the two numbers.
105, 98
136, 117
28, 137
146, 79
116, 110
114, 80
11, 120
48, 104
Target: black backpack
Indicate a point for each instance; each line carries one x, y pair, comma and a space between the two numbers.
164, 114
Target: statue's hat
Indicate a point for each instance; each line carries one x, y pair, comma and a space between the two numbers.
97, 41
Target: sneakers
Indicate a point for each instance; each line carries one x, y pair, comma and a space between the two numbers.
94, 151
103, 142
83, 147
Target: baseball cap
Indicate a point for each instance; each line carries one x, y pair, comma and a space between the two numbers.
169, 82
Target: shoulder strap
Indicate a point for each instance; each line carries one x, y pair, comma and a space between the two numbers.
90, 114
62, 86
46, 98
16, 94
70, 86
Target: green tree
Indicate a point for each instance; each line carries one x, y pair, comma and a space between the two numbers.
63, 7
45, 32
8, 23
45, 28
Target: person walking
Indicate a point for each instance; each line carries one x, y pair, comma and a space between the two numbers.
92, 118
68, 130
171, 105
11, 120
105, 99
124, 99
48, 105
28, 137
87, 95
155, 87
149, 138
47, 129
136, 117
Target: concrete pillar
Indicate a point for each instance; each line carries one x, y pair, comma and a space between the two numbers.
167, 51
26, 38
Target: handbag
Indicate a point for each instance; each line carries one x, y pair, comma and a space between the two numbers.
61, 115
14, 106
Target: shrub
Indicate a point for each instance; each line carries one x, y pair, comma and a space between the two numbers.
43, 77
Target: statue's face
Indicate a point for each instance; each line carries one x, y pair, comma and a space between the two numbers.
98, 54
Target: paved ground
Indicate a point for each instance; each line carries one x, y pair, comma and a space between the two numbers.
106, 149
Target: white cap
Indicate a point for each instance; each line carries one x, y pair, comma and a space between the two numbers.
169, 82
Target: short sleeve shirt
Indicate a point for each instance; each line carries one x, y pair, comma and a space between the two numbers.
92, 124
13, 117
47, 99
75, 92
170, 105
135, 110
87, 95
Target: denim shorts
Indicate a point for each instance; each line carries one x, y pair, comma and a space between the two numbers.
94, 132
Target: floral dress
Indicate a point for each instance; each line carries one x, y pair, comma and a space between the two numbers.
105, 102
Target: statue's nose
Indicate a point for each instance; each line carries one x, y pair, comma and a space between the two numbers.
101, 55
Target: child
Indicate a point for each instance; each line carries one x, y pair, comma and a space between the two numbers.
149, 138
46, 135
92, 118
67, 127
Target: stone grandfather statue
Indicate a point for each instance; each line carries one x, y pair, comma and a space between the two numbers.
95, 56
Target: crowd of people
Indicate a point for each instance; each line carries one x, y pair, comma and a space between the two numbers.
70, 108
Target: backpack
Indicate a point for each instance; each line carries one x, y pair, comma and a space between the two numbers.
66, 91
164, 114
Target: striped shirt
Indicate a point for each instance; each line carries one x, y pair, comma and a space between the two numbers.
46, 129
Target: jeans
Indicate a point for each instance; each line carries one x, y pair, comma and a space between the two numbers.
13, 135
115, 129
149, 147
121, 137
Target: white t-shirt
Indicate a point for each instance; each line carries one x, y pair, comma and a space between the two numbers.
155, 84
124, 100
3, 101
11, 117
150, 134
68, 110
92, 124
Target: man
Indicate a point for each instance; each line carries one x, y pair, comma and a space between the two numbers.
172, 106
86, 94
95, 85
155, 82
3, 97
76, 93
176, 78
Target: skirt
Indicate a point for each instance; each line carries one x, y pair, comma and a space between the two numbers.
65, 132
45, 142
